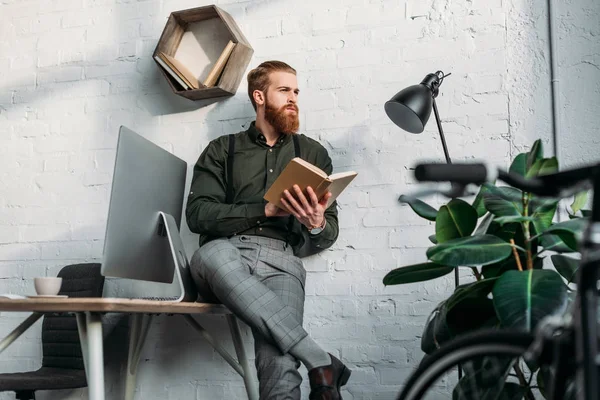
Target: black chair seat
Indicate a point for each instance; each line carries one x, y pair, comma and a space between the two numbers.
62, 362
45, 378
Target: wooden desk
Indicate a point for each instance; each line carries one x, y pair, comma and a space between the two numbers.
88, 312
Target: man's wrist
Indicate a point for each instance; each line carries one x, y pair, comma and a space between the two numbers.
315, 230
320, 225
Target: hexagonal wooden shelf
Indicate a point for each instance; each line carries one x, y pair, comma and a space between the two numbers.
196, 37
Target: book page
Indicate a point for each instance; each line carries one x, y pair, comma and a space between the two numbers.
170, 71
338, 185
341, 175
186, 75
296, 173
310, 166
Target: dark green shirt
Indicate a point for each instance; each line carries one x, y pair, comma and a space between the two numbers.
256, 165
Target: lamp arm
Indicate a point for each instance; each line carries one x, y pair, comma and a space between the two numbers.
439, 124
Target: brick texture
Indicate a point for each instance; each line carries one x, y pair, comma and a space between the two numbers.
73, 71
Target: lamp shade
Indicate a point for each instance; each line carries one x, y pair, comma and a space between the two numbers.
410, 108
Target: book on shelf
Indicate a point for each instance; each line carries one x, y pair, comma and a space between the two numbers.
302, 173
183, 85
218, 67
181, 70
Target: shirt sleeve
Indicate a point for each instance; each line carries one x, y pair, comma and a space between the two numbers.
206, 211
329, 235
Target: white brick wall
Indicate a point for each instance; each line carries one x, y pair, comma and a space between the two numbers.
72, 71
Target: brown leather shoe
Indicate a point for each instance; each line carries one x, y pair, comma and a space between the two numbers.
325, 382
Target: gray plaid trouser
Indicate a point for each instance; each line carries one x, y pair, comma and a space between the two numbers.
262, 283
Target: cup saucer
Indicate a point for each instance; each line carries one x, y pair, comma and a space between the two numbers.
49, 296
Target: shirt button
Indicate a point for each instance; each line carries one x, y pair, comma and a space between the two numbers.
270, 170
270, 150
191, 192
260, 229
258, 222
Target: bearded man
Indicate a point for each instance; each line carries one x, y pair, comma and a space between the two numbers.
248, 255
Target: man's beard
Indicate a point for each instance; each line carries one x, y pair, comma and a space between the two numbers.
281, 120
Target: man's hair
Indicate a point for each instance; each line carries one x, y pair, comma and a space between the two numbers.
258, 78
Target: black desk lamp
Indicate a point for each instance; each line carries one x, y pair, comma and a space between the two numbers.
410, 109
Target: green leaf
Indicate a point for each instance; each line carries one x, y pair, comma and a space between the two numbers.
497, 269
478, 203
467, 309
519, 165
433, 239
416, 273
436, 330
543, 213
523, 298
579, 202
542, 210
566, 266
513, 219
478, 289
536, 153
568, 231
470, 314
554, 243
454, 220
504, 232
470, 251
484, 225
422, 209
544, 166
503, 201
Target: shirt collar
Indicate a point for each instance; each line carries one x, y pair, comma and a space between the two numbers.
257, 137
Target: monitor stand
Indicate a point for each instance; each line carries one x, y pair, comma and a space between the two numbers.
186, 287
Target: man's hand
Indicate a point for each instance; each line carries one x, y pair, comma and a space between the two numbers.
271, 210
310, 212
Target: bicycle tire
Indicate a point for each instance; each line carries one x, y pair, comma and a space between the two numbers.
481, 343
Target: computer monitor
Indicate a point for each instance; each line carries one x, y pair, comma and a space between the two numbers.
142, 240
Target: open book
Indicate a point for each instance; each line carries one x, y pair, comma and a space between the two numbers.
304, 174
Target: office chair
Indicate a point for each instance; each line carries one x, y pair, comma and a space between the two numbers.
62, 363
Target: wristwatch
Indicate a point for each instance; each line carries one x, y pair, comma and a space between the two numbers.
315, 230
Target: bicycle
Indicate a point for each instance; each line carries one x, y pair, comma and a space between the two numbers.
565, 347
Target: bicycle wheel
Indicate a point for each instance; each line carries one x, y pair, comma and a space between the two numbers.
492, 364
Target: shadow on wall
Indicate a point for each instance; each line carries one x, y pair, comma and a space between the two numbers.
109, 55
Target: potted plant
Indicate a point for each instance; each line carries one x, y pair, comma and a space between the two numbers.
504, 237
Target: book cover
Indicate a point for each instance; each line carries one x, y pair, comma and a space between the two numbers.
302, 173
219, 66
166, 67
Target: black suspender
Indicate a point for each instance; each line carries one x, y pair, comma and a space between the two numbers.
229, 193
296, 145
291, 218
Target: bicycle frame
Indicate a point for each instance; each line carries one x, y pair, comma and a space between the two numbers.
586, 325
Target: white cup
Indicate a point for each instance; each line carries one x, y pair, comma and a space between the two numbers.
47, 286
